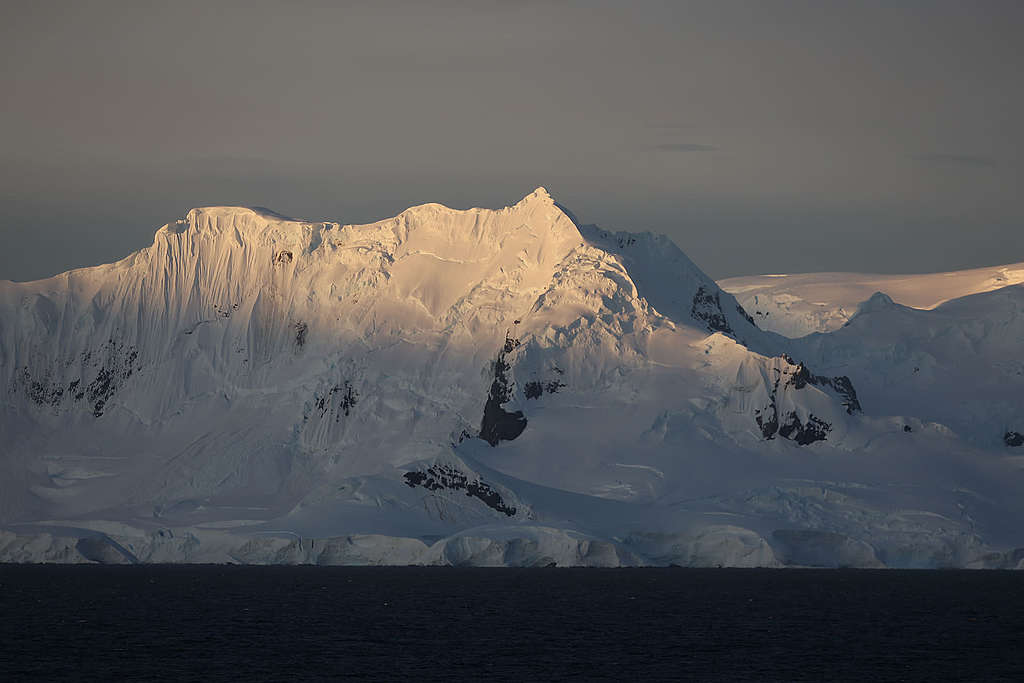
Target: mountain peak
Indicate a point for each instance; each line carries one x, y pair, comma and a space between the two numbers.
538, 195
219, 218
879, 301
257, 211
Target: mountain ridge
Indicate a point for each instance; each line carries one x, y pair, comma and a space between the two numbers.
799, 304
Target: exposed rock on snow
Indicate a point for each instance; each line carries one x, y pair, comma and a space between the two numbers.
781, 409
842, 386
96, 374
499, 424
447, 478
708, 309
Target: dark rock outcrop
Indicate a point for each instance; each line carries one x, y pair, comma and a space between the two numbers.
768, 421
707, 308
536, 388
533, 389
448, 478
815, 429
301, 330
103, 371
789, 425
1013, 439
742, 311
338, 401
499, 424
840, 385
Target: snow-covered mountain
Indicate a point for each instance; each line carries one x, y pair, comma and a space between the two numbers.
487, 387
797, 305
956, 335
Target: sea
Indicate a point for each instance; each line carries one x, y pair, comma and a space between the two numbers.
244, 623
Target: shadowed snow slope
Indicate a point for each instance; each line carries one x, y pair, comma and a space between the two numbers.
488, 387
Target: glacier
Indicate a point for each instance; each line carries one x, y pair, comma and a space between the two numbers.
499, 388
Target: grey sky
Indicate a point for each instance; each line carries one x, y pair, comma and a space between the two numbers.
761, 135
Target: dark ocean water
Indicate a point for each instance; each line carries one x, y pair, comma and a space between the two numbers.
216, 623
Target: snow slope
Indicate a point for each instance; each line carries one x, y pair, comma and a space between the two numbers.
797, 305
959, 364
481, 387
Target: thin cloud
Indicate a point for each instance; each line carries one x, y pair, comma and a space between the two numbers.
685, 147
962, 160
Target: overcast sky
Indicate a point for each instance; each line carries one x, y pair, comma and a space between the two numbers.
762, 136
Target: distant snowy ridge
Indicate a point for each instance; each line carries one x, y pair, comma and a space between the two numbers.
797, 305
498, 387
